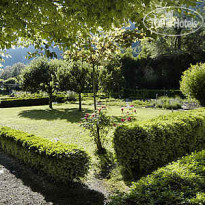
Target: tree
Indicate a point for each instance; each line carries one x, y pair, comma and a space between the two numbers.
40, 75
193, 83
12, 71
111, 77
100, 47
75, 77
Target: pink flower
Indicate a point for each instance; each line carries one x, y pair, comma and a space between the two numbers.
131, 105
86, 118
122, 120
99, 109
93, 115
87, 115
129, 119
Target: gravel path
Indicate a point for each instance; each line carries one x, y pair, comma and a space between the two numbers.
20, 185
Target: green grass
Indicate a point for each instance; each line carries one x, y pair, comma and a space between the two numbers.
63, 123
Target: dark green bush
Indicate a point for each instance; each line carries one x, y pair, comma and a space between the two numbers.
144, 146
150, 93
18, 102
23, 102
182, 182
193, 83
62, 162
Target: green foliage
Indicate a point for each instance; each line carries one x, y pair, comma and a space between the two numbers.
111, 78
144, 146
37, 76
40, 75
168, 103
188, 44
12, 71
181, 182
32, 101
10, 81
162, 72
150, 93
97, 123
75, 77
192, 84
62, 162
141, 103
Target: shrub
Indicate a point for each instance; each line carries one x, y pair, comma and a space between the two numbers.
62, 162
150, 93
168, 103
182, 182
141, 103
97, 124
193, 83
18, 102
144, 146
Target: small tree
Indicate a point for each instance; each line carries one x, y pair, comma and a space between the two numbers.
98, 48
193, 83
98, 124
76, 77
40, 75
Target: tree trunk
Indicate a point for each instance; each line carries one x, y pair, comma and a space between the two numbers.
80, 104
50, 100
94, 88
98, 141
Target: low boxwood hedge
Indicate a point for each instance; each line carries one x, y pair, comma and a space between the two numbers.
144, 146
182, 182
18, 102
62, 162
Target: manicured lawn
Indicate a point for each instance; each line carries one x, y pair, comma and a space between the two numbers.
63, 123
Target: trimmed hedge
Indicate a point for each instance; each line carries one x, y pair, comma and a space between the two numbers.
182, 182
16, 102
62, 162
149, 93
142, 147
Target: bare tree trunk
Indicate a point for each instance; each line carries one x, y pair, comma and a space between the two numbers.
94, 88
50, 100
80, 104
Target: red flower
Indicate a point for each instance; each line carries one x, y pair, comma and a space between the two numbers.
87, 115
129, 119
114, 124
135, 110
93, 115
122, 120
99, 109
122, 109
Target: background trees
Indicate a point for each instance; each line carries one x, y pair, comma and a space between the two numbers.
76, 77
40, 75
12, 71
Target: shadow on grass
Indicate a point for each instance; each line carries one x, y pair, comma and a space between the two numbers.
70, 114
57, 194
